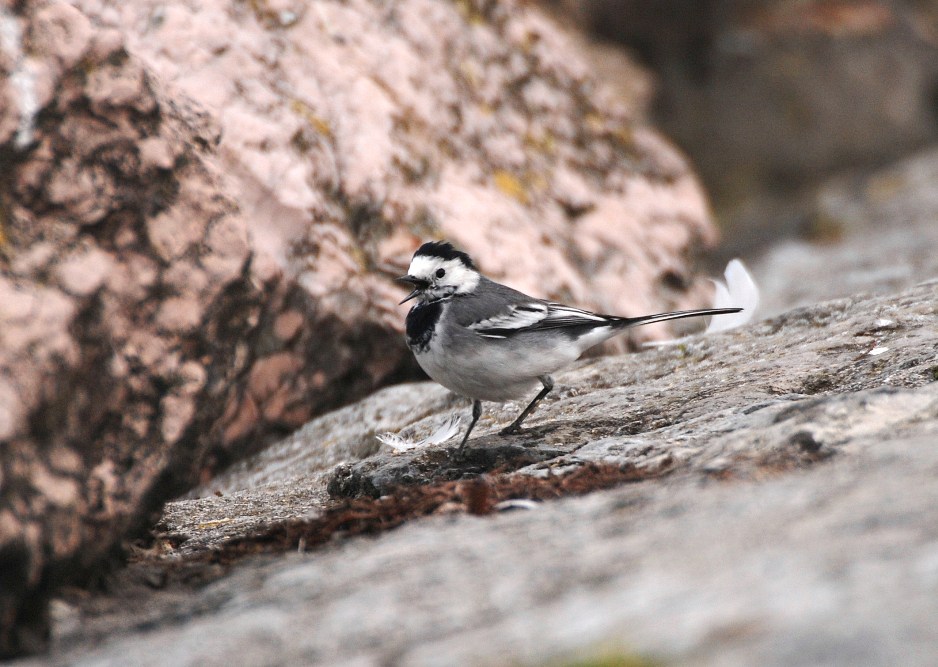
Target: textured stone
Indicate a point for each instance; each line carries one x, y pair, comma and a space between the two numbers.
386, 125
770, 97
782, 510
90, 404
787, 517
774, 94
896, 206
201, 208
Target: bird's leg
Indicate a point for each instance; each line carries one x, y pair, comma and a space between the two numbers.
515, 426
476, 413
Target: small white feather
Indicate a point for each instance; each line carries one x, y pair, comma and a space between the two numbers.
398, 443
739, 291
517, 504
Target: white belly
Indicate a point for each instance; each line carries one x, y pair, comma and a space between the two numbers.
493, 369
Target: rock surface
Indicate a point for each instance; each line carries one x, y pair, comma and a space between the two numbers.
780, 505
782, 511
780, 508
779, 93
770, 97
123, 295
388, 123
201, 206
875, 233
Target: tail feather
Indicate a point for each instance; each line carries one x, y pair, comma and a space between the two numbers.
677, 315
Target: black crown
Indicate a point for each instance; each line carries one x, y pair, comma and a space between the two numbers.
445, 250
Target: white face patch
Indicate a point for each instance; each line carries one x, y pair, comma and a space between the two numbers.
457, 278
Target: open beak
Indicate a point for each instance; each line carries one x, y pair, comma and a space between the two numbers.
419, 285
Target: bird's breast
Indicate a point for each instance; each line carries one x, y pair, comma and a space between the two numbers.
421, 324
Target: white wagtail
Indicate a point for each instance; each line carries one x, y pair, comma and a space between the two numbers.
489, 342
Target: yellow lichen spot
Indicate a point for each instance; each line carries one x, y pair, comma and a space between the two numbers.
537, 182
610, 659
511, 185
317, 122
470, 72
359, 257
544, 142
470, 12
824, 227
595, 122
624, 137
530, 40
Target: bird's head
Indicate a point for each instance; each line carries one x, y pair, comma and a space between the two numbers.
439, 271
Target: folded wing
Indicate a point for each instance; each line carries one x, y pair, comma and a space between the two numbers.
536, 316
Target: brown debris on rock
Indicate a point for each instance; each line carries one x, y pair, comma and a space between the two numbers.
479, 496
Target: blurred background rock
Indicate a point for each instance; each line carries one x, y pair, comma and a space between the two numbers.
769, 98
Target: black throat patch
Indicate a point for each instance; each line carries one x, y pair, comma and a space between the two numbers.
421, 322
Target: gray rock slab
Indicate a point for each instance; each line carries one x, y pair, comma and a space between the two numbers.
797, 523
884, 238
837, 565
700, 403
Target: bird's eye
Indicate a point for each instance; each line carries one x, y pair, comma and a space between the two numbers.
440, 273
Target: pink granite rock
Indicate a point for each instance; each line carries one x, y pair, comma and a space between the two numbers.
353, 130
201, 208
114, 356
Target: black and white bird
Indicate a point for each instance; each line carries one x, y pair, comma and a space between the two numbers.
489, 342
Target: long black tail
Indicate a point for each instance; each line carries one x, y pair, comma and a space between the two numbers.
662, 317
